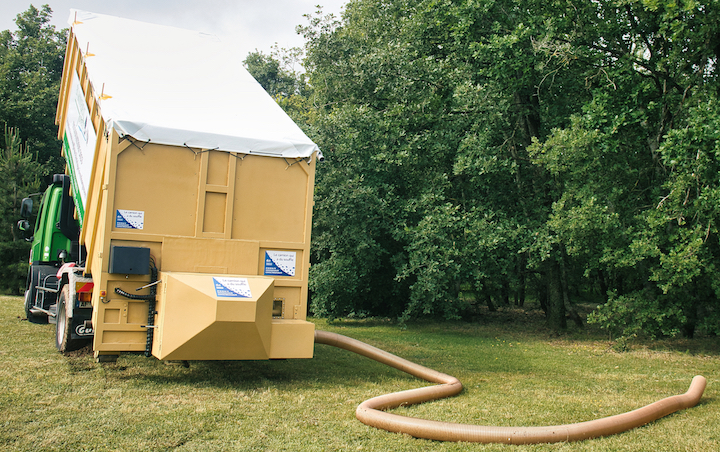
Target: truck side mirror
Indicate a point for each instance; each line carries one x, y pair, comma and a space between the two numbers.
24, 227
26, 206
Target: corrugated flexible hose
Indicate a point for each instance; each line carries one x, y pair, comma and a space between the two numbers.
372, 412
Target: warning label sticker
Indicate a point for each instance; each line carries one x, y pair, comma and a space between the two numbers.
280, 263
232, 288
129, 219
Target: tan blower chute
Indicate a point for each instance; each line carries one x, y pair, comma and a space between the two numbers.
371, 412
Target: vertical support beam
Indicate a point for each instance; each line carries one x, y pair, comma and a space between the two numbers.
207, 188
202, 177
230, 200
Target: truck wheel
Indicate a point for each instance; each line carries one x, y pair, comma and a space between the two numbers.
63, 333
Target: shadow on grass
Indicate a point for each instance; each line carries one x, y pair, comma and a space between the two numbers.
331, 366
507, 321
327, 367
529, 323
695, 347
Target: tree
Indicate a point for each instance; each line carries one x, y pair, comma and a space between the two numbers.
277, 75
490, 144
267, 70
31, 62
20, 176
650, 62
398, 109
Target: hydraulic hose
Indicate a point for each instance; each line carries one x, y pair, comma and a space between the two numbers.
151, 299
371, 412
151, 308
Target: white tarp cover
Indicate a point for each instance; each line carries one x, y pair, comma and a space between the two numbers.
172, 86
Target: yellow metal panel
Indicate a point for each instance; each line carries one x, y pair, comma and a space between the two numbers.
161, 182
216, 185
217, 168
292, 339
123, 338
96, 212
236, 311
71, 55
137, 313
291, 295
95, 195
113, 313
214, 213
196, 254
112, 316
197, 321
270, 200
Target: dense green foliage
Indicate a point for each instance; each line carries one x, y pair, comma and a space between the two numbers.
550, 150
277, 74
20, 175
31, 61
484, 151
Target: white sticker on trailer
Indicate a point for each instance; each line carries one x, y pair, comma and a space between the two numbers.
232, 288
280, 263
129, 219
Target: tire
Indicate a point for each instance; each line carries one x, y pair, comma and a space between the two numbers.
63, 332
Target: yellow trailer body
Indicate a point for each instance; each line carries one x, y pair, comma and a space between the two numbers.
210, 182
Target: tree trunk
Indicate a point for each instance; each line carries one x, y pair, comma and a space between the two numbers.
564, 280
691, 315
520, 294
522, 276
555, 303
489, 302
543, 297
603, 284
505, 292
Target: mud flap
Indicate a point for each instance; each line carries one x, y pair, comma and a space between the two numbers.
79, 328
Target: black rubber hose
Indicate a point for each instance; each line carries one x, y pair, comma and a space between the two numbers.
131, 296
151, 299
151, 309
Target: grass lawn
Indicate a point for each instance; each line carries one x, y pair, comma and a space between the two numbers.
515, 373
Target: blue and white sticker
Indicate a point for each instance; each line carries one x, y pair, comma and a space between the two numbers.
232, 288
129, 219
280, 263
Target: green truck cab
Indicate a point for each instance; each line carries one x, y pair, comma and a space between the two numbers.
54, 242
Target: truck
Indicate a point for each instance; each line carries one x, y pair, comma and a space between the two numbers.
181, 225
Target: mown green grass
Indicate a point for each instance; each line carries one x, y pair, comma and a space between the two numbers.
515, 373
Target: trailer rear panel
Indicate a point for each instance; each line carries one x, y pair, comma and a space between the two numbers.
225, 218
